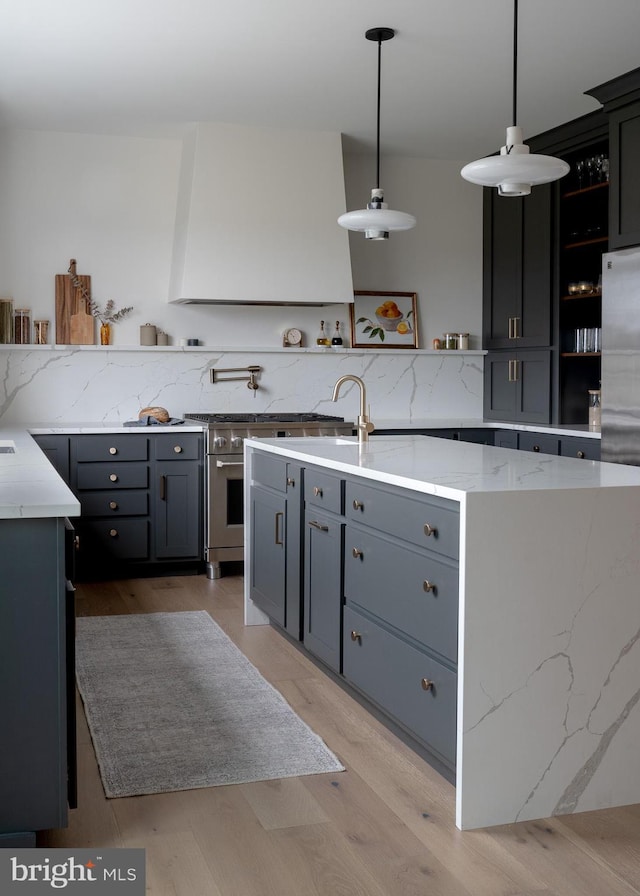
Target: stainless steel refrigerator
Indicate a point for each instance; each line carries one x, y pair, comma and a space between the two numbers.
621, 357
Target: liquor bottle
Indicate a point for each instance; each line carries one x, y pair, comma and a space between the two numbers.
336, 340
322, 339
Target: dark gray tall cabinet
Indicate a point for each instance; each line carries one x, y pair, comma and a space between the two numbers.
36, 680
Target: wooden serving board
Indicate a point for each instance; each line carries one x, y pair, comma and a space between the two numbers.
70, 302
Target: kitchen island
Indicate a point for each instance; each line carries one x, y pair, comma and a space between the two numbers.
546, 667
37, 684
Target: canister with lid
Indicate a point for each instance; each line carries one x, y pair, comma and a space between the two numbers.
450, 341
148, 334
22, 326
463, 342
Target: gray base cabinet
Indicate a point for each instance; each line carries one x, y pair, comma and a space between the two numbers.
517, 386
142, 498
34, 739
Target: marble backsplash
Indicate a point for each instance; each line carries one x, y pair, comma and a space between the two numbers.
73, 385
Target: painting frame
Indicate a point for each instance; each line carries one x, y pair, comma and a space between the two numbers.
369, 330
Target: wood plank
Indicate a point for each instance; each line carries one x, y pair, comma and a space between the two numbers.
68, 298
283, 803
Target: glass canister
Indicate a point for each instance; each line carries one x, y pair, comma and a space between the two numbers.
450, 341
41, 332
6, 320
594, 409
463, 342
22, 326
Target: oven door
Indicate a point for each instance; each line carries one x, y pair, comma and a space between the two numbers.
225, 512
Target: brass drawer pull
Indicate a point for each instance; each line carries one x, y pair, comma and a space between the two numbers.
113, 477
177, 449
290, 481
580, 454
428, 586
356, 553
357, 505
113, 450
426, 684
113, 505
536, 448
430, 530
356, 636
317, 525
317, 491
113, 533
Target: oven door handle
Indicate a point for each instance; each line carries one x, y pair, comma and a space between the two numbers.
229, 463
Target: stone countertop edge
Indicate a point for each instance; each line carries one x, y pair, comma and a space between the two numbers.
450, 469
562, 429
30, 487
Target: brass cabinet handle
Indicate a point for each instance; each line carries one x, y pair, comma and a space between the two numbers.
426, 684
428, 586
113, 477
177, 449
290, 481
357, 505
536, 448
516, 328
113, 533
317, 525
580, 454
355, 553
163, 488
356, 636
113, 505
317, 491
510, 332
430, 530
278, 519
113, 450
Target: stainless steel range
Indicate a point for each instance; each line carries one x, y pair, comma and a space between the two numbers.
224, 500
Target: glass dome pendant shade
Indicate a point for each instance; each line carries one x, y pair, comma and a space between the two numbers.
377, 219
515, 170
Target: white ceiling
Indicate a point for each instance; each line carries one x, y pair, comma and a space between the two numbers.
150, 66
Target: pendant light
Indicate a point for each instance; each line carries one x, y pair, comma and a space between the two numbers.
377, 219
515, 170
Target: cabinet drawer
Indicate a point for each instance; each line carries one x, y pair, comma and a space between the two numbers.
429, 522
112, 475
585, 449
181, 446
110, 447
538, 443
269, 470
411, 590
118, 539
323, 490
396, 684
122, 503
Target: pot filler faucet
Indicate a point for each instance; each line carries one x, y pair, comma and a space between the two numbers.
365, 426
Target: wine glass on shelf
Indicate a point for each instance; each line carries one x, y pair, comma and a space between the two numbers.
591, 168
579, 166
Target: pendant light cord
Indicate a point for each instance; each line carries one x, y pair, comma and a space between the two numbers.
515, 63
378, 119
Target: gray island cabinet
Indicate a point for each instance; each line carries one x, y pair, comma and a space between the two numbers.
484, 600
37, 676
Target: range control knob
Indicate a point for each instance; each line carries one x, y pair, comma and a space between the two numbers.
219, 441
236, 442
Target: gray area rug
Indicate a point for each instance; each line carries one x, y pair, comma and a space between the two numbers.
172, 704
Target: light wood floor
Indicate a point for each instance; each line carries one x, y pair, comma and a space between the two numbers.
385, 827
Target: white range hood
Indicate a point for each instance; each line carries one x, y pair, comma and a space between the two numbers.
256, 218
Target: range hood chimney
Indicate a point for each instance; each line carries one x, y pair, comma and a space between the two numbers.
255, 219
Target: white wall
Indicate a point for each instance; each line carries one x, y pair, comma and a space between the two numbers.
110, 202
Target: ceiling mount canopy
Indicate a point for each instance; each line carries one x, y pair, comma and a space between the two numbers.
377, 219
515, 170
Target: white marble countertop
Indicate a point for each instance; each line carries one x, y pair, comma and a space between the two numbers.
29, 485
42, 429
563, 429
451, 469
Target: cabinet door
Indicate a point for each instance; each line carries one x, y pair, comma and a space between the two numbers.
177, 500
268, 555
539, 443
517, 270
517, 386
624, 207
56, 449
499, 386
323, 586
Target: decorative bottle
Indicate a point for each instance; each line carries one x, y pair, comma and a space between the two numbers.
336, 340
322, 339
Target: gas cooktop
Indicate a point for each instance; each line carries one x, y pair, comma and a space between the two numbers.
263, 418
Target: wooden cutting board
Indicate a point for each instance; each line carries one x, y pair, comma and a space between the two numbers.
70, 301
